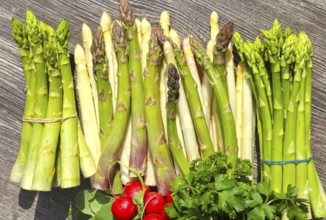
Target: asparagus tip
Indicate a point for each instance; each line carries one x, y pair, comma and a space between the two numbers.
126, 12
79, 54
145, 26
165, 18
214, 17
105, 21
63, 33
87, 33
224, 37
173, 83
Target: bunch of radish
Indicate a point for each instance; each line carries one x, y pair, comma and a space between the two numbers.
152, 204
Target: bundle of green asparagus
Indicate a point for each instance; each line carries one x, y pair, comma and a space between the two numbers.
280, 75
52, 148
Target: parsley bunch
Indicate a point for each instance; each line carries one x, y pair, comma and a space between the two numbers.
215, 190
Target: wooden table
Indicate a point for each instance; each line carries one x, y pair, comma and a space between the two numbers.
187, 17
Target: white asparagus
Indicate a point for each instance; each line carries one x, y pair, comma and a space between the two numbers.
146, 33
208, 94
106, 23
188, 129
165, 24
138, 25
175, 37
194, 72
87, 43
213, 20
88, 113
125, 155
230, 77
247, 125
239, 100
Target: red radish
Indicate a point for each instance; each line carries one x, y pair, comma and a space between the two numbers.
134, 188
153, 216
163, 213
153, 202
169, 196
123, 208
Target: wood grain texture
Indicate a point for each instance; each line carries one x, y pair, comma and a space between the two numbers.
187, 17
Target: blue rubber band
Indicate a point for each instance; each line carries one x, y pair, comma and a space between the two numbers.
286, 161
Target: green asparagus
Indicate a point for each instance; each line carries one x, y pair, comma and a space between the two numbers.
112, 147
160, 154
103, 86
68, 135
173, 139
41, 101
21, 38
316, 190
45, 163
139, 140
273, 44
291, 126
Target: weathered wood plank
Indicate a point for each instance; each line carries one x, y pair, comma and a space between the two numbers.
187, 17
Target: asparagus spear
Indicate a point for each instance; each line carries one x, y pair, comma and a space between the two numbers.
189, 56
41, 101
316, 190
230, 77
168, 49
247, 121
146, 34
206, 87
290, 125
106, 23
301, 180
139, 140
19, 34
263, 104
68, 135
163, 165
287, 58
87, 109
240, 104
87, 43
102, 84
222, 41
112, 147
208, 101
273, 44
173, 139
231, 148
45, 163
189, 133
165, 24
